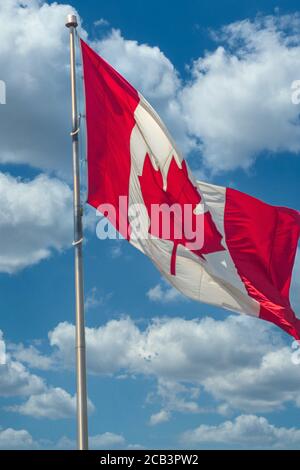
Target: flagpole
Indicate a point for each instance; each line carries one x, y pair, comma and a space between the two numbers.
82, 418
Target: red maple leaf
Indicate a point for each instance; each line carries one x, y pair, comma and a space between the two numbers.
180, 191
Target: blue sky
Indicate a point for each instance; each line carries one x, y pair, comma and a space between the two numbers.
164, 372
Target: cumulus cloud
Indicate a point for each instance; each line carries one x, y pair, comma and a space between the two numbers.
238, 103
246, 432
235, 104
35, 219
167, 346
17, 380
95, 299
269, 385
35, 125
238, 100
161, 417
12, 439
101, 22
115, 344
159, 80
164, 294
54, 403
39, 135
238, 369
153, 74
107, 440
30, 356
35, 122
176, 396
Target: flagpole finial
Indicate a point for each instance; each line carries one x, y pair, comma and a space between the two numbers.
71, 21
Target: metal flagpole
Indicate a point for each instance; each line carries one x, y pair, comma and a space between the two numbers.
82, 419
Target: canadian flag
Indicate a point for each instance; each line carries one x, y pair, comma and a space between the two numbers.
245, 259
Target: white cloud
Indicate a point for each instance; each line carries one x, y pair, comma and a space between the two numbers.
12, 439
101, 22
30, 356
236, 103
107, 440
246, 431
54, 403
164, 294
35, 219
239, 100
107, 345
230, 105
159, 80
161, 417
43, 402
95, 299
17, 380
35, 123
176, 396
251, 372
269, 385
34, 41
152, 73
